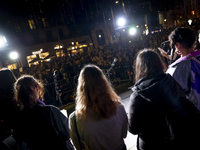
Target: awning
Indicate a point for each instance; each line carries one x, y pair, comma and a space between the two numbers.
35, 59
49, 56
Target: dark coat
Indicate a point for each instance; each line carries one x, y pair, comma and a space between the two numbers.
161, 116
43, 127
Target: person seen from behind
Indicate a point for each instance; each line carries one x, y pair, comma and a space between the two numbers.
159, 112
100, 117
40, 126
8, 106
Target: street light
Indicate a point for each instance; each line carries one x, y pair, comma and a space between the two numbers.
190, 22
121, 22
132, 31
13, 55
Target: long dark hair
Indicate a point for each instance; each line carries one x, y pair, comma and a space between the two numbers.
7, 80
148, 64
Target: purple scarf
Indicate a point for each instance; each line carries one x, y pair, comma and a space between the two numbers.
40, 101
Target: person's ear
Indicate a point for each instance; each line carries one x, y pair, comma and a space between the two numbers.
178, 45
36, 88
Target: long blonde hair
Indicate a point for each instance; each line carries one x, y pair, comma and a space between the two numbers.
95, 92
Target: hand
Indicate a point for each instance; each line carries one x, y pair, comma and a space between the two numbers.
163, 53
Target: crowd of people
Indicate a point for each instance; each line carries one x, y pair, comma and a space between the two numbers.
102, 56
164, 107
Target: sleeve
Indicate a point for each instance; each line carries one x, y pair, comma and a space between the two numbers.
135, 115
72, 132
125, 122
60, 123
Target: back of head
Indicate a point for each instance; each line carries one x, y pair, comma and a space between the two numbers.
24, 90
184, 36
7, 80
148, 64
95, 92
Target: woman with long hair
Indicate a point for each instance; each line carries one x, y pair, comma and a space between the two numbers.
100, 117
159, 113
8, 106
40, 126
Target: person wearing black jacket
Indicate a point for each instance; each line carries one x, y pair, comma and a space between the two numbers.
40, 126
159, 113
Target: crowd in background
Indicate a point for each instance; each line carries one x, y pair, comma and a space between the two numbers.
102, 56
97, 103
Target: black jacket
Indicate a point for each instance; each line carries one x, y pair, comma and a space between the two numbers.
43, 127
161, 115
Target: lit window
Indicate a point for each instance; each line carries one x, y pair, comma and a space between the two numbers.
58, 46
44, 22
31, 24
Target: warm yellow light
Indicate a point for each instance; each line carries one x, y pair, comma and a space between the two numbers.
72, 43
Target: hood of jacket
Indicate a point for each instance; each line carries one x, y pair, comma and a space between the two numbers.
161, 85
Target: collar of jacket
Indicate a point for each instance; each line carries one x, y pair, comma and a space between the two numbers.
151, 88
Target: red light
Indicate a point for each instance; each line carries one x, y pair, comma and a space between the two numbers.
192, 12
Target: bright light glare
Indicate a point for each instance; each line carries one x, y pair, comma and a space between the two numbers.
132, 31
190, 21
121, 21
2, 43
13, 55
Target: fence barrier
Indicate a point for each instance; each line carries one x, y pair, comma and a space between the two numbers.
67, 88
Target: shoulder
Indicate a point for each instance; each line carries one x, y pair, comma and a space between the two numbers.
179, 67
72, 115
120, 107
71, 119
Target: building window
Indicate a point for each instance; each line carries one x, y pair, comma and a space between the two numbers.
17, 28
58, 46
60, 32
49, 35
44, 22
12, 66
31, 24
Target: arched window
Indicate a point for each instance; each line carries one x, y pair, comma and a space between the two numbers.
59, 50
58, 46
